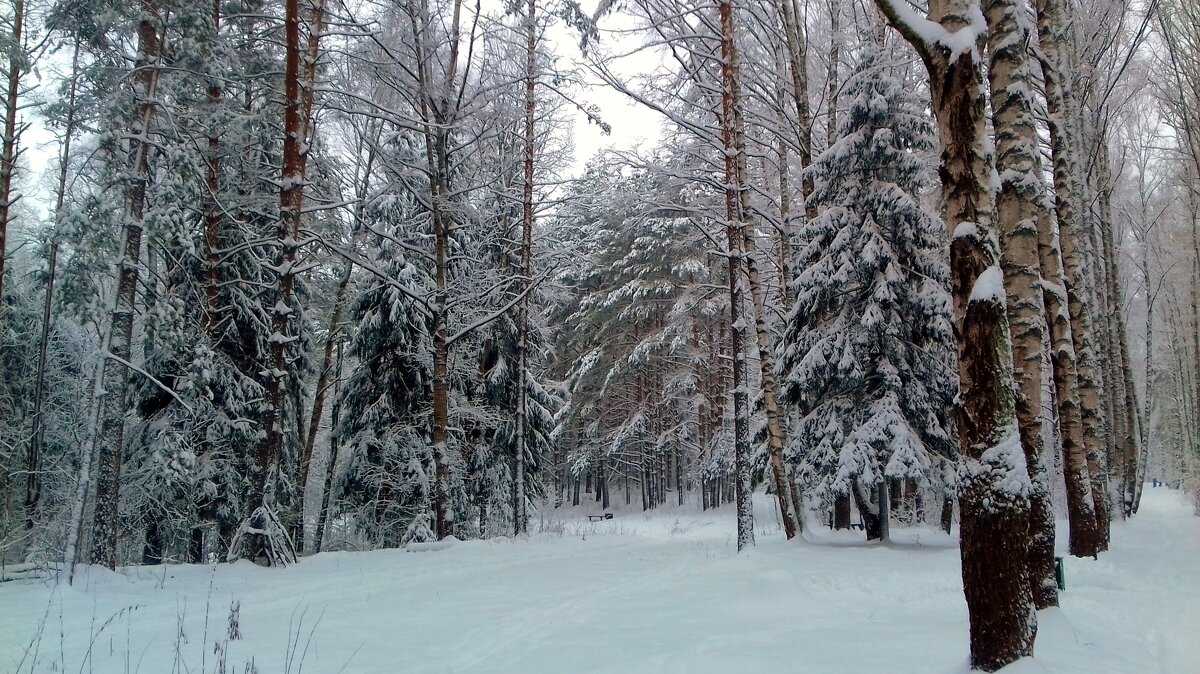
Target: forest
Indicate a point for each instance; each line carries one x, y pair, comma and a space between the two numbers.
289, 277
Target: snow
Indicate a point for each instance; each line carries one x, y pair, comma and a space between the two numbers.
664, 593
989, 286
960, 41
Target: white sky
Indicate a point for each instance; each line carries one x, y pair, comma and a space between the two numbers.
633, 125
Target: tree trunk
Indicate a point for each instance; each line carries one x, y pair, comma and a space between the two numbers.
333, 335
1017, 209
268, 545
111, 433
1083, 535
885, 511
994, 480
1125, 397
8, 145
437, 118
776, 436
1053, 38
831, 74
841, 512
872, 523
737, 320
212, 210
797, 50
520, 518
33, 488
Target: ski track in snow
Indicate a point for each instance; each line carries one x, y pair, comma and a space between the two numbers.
664, 593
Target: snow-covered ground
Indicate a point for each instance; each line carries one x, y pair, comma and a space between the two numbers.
664, 593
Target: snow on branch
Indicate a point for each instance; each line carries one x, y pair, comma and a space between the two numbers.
989, 286
501, 311
166, 389
925, 35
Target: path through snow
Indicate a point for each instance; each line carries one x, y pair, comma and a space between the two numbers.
665, 593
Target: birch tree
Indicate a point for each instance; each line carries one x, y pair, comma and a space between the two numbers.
994, 479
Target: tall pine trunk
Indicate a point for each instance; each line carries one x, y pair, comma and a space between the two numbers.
110, 436
8, 144
269, 543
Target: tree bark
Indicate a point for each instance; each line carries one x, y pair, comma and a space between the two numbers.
1083, 535
1017, 209
994, 480
212, 211
831, 74
520, 518
8, 145
331, 468
797, 50
114, 404
437, 122
734, 236
1053, 38
291, 201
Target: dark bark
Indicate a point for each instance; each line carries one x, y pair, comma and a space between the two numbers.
8, 145
110, 436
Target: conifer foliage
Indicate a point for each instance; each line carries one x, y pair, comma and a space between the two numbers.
867, 353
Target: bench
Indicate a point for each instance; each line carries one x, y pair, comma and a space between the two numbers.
597, 518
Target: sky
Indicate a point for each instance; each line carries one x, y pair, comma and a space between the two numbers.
632, 125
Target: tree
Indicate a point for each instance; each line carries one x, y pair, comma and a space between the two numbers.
1054, 39
994, 480
1017, 208
868, 344
118, 352
9, 142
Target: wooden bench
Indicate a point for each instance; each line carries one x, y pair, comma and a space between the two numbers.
597, 518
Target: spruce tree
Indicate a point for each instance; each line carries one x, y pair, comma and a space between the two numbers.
867, 354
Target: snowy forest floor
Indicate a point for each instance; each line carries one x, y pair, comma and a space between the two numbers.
665, 592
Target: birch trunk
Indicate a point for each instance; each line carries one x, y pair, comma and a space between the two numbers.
331, 468
1125, 397
520, 518
1017, 209
737, 319
993, 478
1083, 535
776, 437
1053, 37
797, 51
